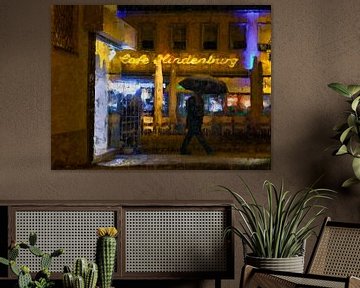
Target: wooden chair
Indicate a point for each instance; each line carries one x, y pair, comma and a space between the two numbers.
207, 124
165, 125
226, 125
335, 262
147, 124
239, 125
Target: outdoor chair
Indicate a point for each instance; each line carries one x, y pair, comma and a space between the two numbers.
165, 125
226, 125
207, 125
148, 124
239, 125
335, 262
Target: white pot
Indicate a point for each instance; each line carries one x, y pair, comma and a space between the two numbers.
291, 264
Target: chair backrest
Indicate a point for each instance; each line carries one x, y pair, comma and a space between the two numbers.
207, 119
337, 251
148, 120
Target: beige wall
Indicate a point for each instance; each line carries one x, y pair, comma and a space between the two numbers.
314, 43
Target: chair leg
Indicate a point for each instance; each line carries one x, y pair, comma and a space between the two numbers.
217, 283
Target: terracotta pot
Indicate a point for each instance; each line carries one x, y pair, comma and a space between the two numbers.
291, 264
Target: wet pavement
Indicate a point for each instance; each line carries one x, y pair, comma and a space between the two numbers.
162, 152
189, 162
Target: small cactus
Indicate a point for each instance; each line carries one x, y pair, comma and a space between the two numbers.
79, 282
32, 239
13, 253
106, 254
91, 275
42, 278
80, 268
45, 261
67, 269
84, 273
57, 252
24, 279
24, 246
36, 251
14, 268
68, 280
43, 274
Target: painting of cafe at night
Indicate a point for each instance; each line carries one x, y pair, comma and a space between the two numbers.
141, 104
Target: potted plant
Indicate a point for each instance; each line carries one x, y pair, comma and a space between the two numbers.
276, 233
42, 278
84, 274
348, 133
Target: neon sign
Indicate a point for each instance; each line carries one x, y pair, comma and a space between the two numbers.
188, 60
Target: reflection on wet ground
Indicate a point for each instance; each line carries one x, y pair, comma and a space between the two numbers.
162, 152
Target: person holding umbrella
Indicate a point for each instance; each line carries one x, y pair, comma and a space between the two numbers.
200, 84
194, 121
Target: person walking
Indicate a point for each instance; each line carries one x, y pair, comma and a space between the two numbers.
194, 121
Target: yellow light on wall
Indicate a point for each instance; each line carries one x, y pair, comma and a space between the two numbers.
188, 60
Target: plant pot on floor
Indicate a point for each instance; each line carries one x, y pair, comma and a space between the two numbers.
290, 264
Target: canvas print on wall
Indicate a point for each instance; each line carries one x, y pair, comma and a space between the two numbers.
161, 87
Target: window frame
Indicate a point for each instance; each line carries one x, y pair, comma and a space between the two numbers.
141, 36
263, 47
233, 24
172, 42
203, 25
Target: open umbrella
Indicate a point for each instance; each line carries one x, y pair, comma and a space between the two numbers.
204, 84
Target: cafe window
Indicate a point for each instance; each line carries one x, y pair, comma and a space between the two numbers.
266, 104
178, 37
210, 36
147, 36
264, 36
238, 104
237, 35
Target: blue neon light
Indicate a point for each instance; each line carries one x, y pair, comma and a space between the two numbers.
121, 13
251, 39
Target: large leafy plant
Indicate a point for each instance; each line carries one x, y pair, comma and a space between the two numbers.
279, 229
348, 132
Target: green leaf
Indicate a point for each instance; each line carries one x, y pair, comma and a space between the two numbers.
36, 251
354, 145
340, 88
342, 150
14, 268
349, 182
13, 253
355, 103
351, 120
353, 89
4, 261
356, 167
345, 134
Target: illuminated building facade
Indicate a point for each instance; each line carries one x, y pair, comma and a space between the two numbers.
221, 41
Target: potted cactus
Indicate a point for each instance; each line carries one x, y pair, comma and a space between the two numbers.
106, 254
42, 278
84, 275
